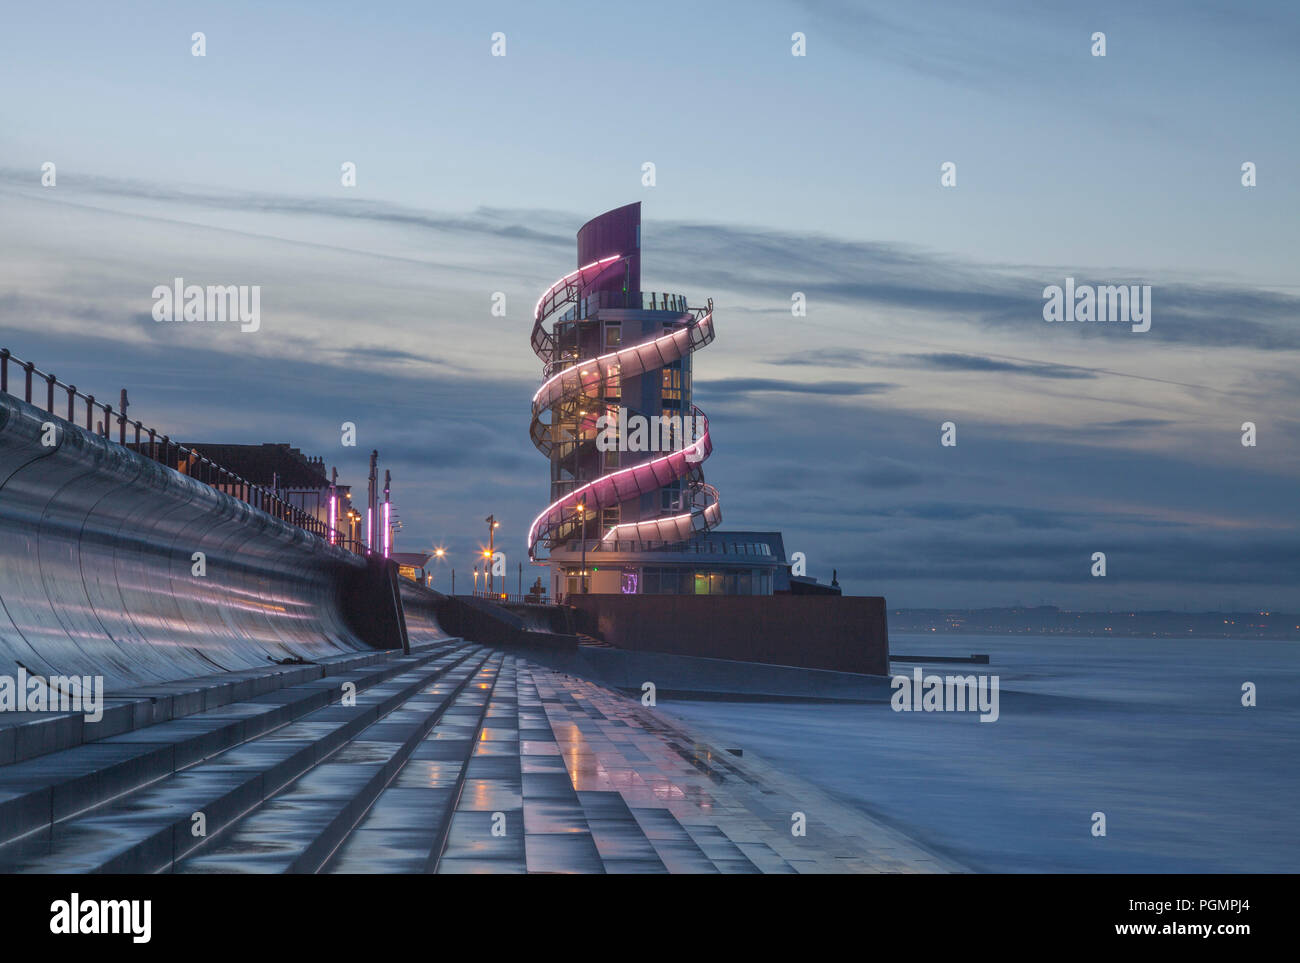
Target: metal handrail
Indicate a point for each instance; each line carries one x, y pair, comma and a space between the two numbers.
511, 598
160, 448
634, 300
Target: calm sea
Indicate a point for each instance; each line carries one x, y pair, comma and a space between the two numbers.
1150, 732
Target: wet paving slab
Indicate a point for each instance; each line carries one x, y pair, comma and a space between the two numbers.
553, 774
477, 761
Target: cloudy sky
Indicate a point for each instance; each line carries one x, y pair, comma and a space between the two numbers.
774, 174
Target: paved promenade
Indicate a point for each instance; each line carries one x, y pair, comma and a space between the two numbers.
456, 759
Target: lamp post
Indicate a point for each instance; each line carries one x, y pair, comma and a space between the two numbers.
372, 502
582, 515
387, 541
438, 554
354, 530
492, 525
334, 505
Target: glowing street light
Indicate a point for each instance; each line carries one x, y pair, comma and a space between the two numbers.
492, 525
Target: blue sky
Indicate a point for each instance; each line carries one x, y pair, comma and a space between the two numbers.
774, 174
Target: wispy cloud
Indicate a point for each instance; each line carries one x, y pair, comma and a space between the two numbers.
970, 362
737, 386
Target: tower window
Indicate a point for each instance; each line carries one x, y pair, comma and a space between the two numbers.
672, 496
672, 382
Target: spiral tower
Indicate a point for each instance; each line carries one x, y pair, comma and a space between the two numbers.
614, 352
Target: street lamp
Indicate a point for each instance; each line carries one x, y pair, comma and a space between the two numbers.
438, 554
492, 525
354, 530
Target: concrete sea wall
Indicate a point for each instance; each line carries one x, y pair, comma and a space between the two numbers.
96, 568
838, 633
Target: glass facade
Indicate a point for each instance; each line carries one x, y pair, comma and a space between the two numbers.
684, 581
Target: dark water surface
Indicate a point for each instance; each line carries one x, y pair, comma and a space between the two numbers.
1150, 732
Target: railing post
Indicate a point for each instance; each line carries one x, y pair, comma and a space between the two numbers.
197, 465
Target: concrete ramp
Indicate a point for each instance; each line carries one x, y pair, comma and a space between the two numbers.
96, 568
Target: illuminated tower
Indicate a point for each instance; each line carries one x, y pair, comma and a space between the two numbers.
617, 361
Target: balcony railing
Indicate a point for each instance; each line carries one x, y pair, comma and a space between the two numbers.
642, 301
512, 598
760, 550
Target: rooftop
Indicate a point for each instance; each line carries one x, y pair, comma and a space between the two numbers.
260, 464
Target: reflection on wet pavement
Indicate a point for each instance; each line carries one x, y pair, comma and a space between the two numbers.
567, 776
453, 759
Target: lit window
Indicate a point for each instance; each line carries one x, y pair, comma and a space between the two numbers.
672, 382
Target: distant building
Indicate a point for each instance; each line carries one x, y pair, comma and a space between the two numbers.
298, 479
413, 565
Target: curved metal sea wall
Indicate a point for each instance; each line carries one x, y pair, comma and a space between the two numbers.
96, 547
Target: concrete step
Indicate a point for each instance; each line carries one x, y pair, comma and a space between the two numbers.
407, 828
529, 780
486, 830
736, 810
634, 772
301, 826
38, 793
634, 830
148, 825
27, 735
558, 837
475, 761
